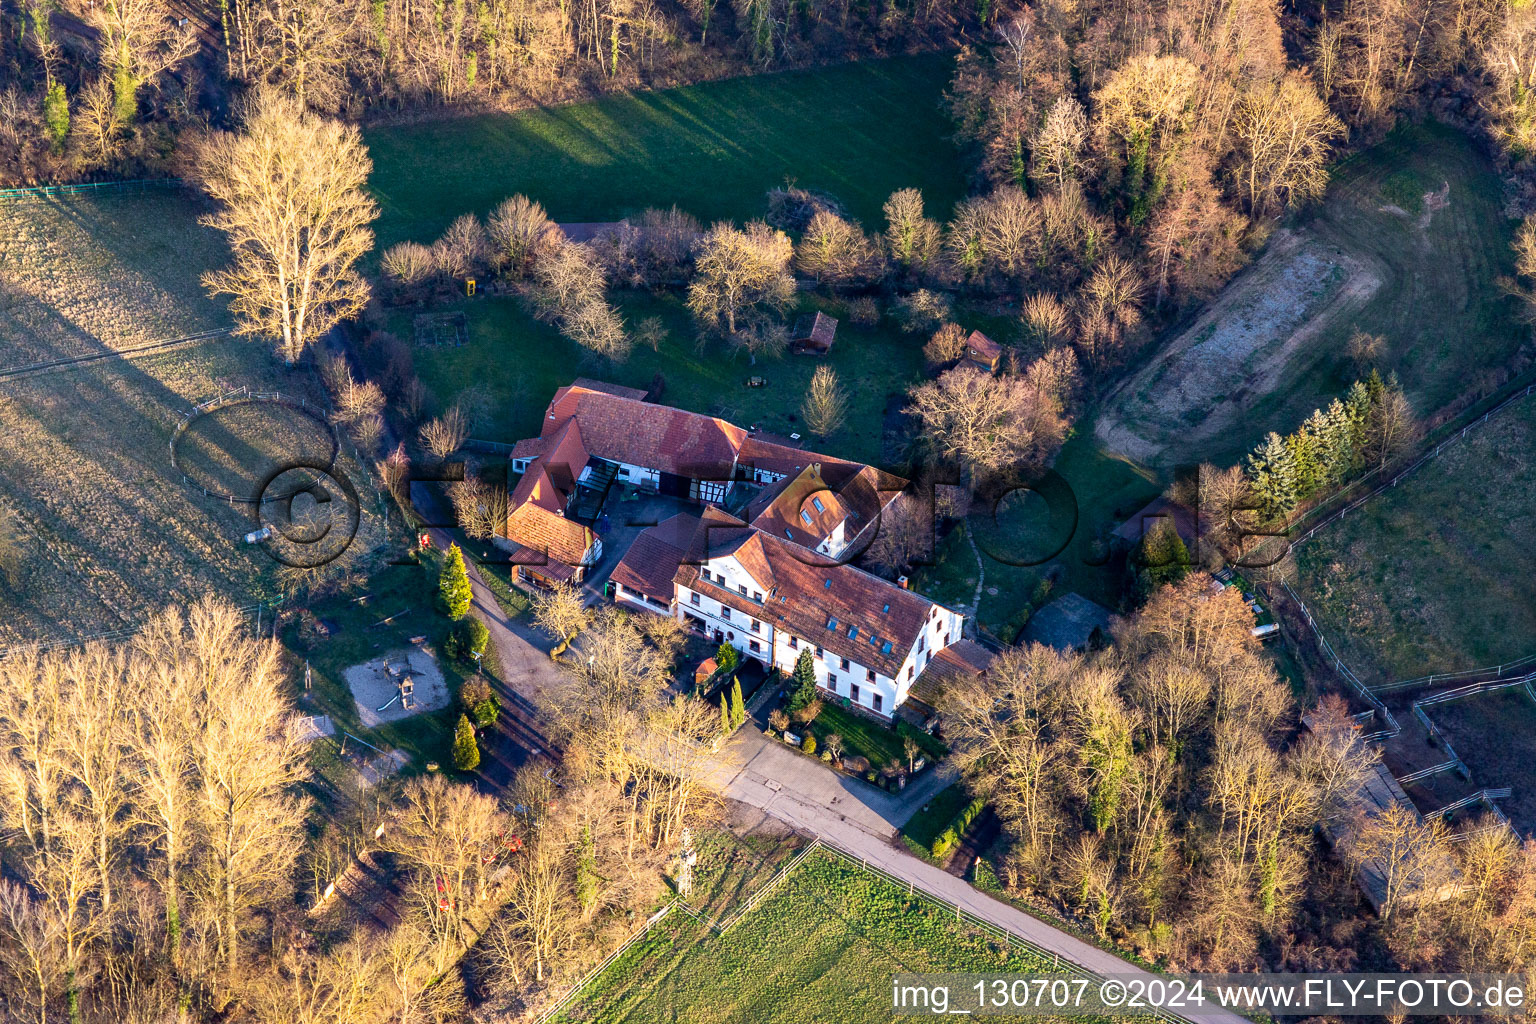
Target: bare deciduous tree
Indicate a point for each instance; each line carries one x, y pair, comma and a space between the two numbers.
740, 272
1286, 133
443, 435
292, 190
825, 405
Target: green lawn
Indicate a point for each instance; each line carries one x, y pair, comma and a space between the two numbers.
822, 947
519, 362
359, 637
934, 816
1105, 490
858, 131
866, 738
1437, 573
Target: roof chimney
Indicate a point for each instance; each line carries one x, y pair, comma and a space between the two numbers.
901, 581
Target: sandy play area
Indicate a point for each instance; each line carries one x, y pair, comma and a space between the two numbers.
374, 682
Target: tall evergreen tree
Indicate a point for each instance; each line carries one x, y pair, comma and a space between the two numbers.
725, 716
1274, 477
803, 689
738, 706
466, 753
453, 584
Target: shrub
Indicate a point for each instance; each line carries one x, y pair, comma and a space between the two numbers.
864, 312
808, 744
778, 720
56, 115
807, 714
479, 701
476, 637
466, 753
922, 312
408, 263
950, 837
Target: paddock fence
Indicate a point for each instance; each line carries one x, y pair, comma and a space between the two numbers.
240, 396
87, 188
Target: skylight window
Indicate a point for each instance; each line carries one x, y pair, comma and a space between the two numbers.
819, 506
831, 623
853, 632
806, 516
886, 648
826, 584
887, 608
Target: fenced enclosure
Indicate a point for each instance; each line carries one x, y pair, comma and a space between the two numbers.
441, 330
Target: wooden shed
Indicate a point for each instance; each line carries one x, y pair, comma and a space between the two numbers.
982, 352
813, 334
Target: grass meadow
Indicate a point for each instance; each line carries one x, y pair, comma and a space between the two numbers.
518, 362
859, 131
103, 272
1436, 574
822, 947
107, 531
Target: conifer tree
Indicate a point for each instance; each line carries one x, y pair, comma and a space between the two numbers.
803, 690
466, 754
453, 584
738, 707
725, 716
1274, 477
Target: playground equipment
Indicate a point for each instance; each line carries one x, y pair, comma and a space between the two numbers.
405, 685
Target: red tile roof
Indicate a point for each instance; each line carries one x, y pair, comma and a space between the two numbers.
622, 429
844, 491
814, 331
805, 593
534, 518
961, 659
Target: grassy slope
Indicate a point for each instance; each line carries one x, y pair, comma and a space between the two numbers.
858, 131
822, 947
1437, 574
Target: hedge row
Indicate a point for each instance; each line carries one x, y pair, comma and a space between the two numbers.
950, 837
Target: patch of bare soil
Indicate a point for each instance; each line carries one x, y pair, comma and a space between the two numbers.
1238, 351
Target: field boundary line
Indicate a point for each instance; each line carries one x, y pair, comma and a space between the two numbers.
43, 366
586, 979
730, 920
1059, 963
86, 188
